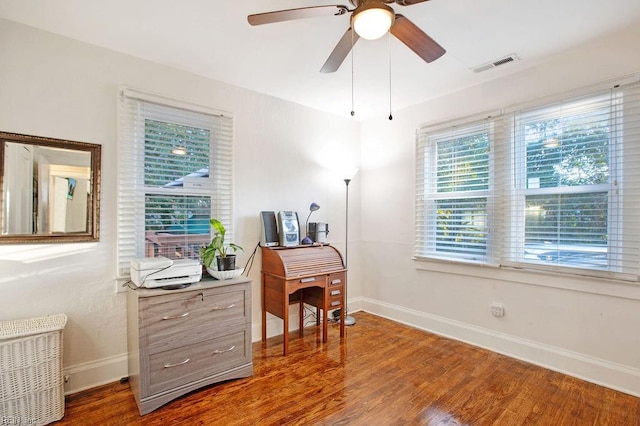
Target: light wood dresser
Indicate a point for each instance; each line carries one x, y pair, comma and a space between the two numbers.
180, 340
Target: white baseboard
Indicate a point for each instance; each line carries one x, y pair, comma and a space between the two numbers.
95, 373
602, 372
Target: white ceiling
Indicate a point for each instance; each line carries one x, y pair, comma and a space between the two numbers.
212, 38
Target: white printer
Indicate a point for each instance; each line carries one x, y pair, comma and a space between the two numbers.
152, 272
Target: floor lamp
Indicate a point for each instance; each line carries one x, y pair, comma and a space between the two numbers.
348, 320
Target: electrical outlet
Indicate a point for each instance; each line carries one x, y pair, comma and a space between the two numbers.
497, 309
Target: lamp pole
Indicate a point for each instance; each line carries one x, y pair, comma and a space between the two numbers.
348, 320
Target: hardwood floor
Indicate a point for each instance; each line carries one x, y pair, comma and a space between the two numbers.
383, 373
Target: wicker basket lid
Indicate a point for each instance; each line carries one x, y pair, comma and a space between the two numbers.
25, 327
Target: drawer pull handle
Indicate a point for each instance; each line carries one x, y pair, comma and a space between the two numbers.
335, 303
336, 281
222, 308
218, 352
178, 364
308, 280
176, 316
335, 292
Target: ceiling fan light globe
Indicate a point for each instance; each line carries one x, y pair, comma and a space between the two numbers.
374, 22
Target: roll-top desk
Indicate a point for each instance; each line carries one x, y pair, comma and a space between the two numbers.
314, 275
181, 340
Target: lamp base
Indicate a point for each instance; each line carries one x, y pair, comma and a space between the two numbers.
348, 320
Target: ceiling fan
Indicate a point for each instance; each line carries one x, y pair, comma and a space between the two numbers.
371, 19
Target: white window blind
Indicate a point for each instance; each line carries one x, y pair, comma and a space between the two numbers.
554, 187
576, 184
174, 175
455, 191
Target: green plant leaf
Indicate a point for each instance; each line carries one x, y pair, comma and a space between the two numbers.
217, 245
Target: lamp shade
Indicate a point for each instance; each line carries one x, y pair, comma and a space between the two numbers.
349, 173
373, 21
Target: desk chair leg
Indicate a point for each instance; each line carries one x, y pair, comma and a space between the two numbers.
325, 310
264, 328
285, 333
301, 314
264, 317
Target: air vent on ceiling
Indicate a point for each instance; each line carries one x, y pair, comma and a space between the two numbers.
496, 63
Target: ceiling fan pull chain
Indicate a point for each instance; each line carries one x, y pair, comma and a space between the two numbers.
352, 53
389, 38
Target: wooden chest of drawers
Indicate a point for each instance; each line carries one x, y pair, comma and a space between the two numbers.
181, 340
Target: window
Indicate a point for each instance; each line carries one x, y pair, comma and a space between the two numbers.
457, 193
566, 182
175, 173
559, 182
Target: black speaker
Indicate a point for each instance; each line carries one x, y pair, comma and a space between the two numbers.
318, 231
269, 235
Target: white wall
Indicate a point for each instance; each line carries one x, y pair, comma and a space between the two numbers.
55, 87
563, 323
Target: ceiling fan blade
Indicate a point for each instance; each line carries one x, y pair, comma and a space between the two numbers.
409, 2
340, 52
300, 13
416, 39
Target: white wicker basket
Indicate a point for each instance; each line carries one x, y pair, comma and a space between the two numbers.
31, 379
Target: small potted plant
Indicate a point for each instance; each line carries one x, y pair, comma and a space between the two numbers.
219, 250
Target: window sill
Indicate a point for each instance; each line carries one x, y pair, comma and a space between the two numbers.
601, 286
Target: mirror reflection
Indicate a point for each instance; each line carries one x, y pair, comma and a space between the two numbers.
49, 189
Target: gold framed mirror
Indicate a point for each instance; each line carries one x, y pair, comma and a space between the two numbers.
49, 190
